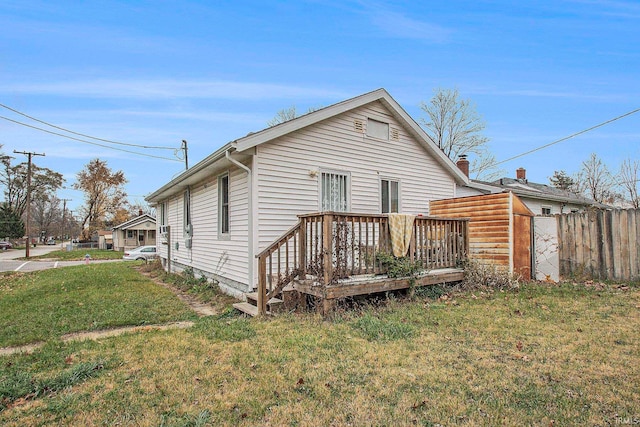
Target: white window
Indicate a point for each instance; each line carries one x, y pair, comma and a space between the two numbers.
186, 215
163, 213
223, 204
334, 192
546, 210
377, 129
389, 196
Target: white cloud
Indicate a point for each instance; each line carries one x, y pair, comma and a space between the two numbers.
400, 25
169, 89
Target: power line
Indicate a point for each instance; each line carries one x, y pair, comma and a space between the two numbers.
568, 137
89, 142
82, 134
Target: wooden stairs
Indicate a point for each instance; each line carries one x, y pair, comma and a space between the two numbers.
250, 306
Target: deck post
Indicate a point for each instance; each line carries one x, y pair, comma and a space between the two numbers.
302, 247
262, 285
327, 247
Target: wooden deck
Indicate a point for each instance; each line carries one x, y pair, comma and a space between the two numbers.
334, 255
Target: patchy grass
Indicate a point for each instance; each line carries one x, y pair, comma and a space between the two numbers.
201, 288
44, 305
541, 355
79, 254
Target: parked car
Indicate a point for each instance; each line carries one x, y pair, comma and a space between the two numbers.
5, 245
51, 242
145, 253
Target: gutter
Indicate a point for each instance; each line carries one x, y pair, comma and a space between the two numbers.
250, 227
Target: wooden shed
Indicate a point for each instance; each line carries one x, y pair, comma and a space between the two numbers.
499, 229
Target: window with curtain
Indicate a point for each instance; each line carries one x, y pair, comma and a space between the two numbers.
334, 192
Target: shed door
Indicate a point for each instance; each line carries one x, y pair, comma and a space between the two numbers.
522, 246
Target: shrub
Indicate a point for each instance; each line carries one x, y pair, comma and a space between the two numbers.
482, 276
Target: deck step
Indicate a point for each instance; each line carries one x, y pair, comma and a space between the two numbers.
246, 308
253, 296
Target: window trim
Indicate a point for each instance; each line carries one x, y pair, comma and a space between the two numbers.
347, 174
543, 207
389, 180
223, 235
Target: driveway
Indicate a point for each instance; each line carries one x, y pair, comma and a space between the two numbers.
19, 253
9, 260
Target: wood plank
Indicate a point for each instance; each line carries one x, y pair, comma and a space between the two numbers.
246, 308
390, 284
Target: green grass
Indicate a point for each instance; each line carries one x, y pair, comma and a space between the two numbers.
79, 254
44, 305
565, 355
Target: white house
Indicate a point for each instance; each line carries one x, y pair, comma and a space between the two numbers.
541, 199
364, 155
137, 231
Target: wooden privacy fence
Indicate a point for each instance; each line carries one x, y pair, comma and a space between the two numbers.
602, 244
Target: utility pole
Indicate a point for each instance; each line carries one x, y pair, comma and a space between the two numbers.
29, 155
64, 211
186, 157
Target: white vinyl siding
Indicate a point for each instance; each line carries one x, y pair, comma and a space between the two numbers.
289, 171
228, 257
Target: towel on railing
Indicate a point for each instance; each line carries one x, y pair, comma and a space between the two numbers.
401, 229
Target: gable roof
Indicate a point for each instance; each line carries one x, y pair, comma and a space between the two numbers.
533, 190
134, 221
245, 146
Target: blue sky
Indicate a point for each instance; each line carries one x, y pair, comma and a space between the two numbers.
155, 73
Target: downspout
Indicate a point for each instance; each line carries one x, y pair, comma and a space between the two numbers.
250, 257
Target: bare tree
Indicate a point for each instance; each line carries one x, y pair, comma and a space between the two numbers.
283, 115
629, 181
287, 114
46, 215
456, 128
103, 194
595, 181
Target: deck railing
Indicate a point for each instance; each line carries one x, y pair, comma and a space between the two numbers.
331, 246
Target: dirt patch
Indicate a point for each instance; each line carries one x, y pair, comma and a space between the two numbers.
202, 309
96, 335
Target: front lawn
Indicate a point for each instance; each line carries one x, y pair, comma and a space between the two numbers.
543, 355
44, 305
79, 254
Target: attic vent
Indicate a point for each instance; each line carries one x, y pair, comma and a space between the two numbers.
358, 125
395, 134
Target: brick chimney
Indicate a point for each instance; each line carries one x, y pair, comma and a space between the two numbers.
521, 173
139, 212
463, 164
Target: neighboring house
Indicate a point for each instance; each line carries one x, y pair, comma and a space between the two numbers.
105, 239
138, 231
541, 199
364, 155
